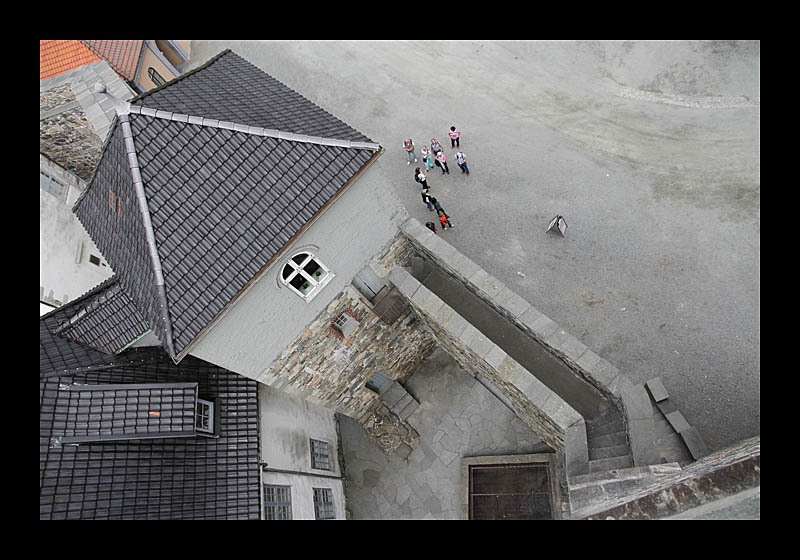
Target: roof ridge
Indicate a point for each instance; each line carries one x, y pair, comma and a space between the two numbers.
247, 129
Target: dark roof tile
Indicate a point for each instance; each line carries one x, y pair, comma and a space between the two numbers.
227, 193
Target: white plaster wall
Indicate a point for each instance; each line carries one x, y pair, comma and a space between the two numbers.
60, 236
287, 425
253, 333
303, 493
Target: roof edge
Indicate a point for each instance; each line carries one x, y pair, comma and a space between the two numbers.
203, 66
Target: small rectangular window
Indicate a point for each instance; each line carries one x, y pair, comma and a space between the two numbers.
277, 502
323, 504
320, 455
95, 260
205, 416
345, 324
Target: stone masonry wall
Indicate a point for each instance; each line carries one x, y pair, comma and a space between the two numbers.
324, 368
544, 411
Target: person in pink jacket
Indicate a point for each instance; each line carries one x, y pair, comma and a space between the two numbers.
442, 159
455, 136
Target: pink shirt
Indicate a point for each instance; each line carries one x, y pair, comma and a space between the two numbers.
454, 134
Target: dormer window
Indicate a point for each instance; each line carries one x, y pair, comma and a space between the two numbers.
305, 275
204, 421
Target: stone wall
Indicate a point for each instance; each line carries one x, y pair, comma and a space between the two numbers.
325, 368
547, 414
616, 387
67, 137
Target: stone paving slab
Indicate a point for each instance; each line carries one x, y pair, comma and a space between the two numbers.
457, 417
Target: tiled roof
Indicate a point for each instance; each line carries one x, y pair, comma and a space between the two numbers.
57, 56
166, 478
204, 183
121, 55
105, 319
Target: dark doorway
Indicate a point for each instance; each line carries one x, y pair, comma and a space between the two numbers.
517, 491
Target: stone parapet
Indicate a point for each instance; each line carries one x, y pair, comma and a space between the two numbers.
595, 370
547, 414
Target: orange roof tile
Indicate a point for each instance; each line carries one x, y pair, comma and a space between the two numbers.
121, 55
57, 56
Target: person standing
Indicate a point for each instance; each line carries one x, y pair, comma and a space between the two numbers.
436, 205
435, 146
445, 220
408, 146
442, 159
427, 157
455, 136
421, 177
461, 159
427, 199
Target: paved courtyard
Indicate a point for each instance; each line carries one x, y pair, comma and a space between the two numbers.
458, 417
649, 149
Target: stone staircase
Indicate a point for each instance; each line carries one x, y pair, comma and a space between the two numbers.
397, 399
607, 441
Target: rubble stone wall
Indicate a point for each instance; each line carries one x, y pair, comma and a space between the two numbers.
325, 368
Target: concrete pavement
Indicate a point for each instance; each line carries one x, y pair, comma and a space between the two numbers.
650, 150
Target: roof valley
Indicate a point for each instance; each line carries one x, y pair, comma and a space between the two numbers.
144, 211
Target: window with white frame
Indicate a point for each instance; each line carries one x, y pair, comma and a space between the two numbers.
305, 275
205, 416
277, 502
323, 504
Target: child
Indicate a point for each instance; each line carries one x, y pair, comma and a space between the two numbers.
445, 219
461, 159
431, 226
454, 137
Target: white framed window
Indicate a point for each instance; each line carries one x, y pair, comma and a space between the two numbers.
305, 275
205, 416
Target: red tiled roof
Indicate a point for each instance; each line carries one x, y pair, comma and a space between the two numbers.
57, 56
121, 55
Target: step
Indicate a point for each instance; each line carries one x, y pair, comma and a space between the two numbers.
608, 415
615, 438
597, 465
608, 428
609, 452
672, 448
401, 404
393, 394
408, 409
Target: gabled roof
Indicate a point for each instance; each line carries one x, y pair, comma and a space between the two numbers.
204, 181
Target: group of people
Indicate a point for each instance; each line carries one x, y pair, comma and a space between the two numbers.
435, 156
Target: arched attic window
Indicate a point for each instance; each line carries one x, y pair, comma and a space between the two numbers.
305, 275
